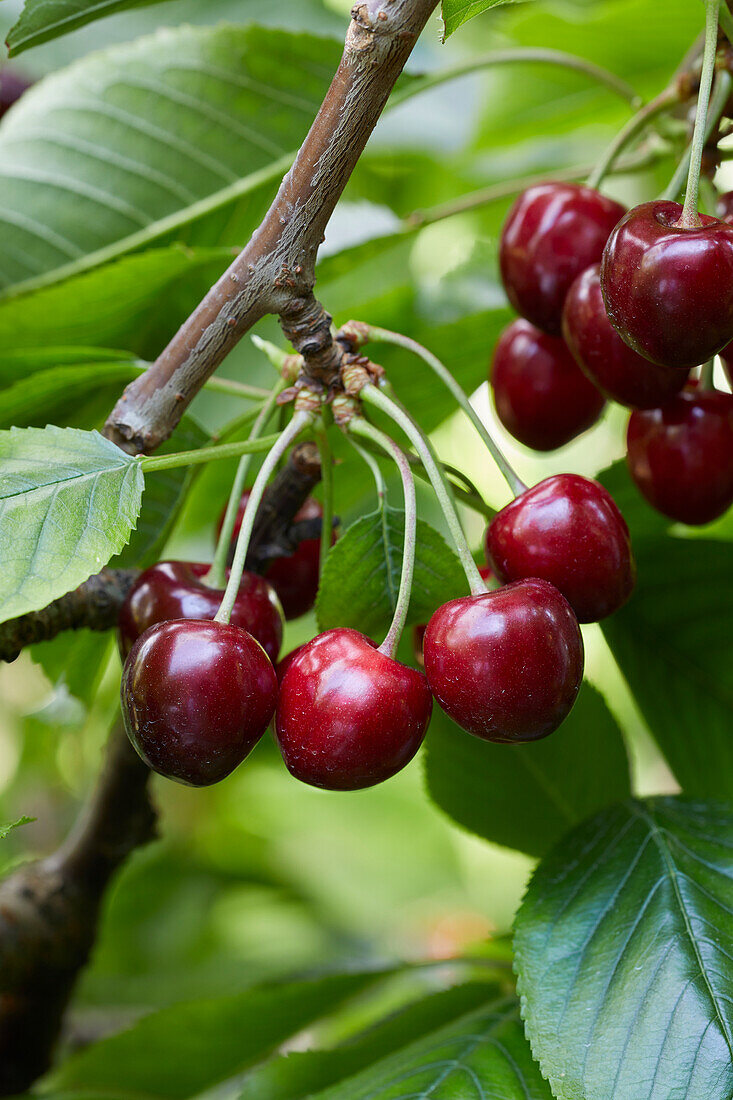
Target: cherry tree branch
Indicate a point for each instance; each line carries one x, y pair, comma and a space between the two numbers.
276, 271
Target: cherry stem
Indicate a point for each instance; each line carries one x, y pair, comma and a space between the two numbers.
385, 336
689, 218
373, 396
362, 427
216, 576
152, 463
531, 55
300, 421
723, 84
634, 126
324, 450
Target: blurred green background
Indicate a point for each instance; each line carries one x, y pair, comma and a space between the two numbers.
261, 876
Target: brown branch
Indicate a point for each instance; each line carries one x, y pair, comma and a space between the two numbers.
95, 604
49, 912
276, 271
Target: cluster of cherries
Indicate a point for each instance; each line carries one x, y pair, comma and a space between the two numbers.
614, 304
506, 664
621, 305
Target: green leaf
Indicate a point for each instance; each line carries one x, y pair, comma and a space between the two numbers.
63, 393
674, 645
361, 578
137, 302
298, 1075
68, 501
140, 141
557, 782
5, 829
18, 363
42, 20
179, 1051
165, 493
481, 1055
624, 950
458, 12
77, 659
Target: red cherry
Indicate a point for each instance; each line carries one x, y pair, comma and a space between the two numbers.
669, 291
681, 455
175, 590
553, 232
285, 662
196, 698
567, 530
295, 577
12, 87
616, 369
418, 631
541, 396
506, 665
349, 716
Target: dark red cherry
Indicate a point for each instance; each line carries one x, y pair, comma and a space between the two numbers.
506, 665
175, 590
196, 698
681, 455
418, 631
669, 291
285, 662
612, 366
553, 232
540, 393
295, 577
567, 530
349, 716
12, 87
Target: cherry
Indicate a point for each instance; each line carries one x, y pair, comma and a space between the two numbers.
566, 530
349, 716
295, 577
12, 87
175, 590
196, 698
616, 369
541, 396
418, 631
285, 662
681, 455
669, 291
506, 665
553, 232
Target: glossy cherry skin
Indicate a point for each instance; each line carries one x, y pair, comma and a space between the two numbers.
175, 590
418, 631
295, 577
669, 291
681, 455
12, 87
552, 233
196, 698
540, 394
506, 665
285, 662
349, 716
567, 530
611, 365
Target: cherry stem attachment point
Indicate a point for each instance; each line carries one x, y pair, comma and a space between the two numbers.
371, 395
385, 336
300, 421
324, 450
689, 218
152, 463
216, 576
627, 133
359, 426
